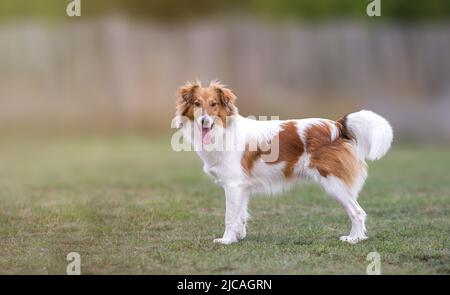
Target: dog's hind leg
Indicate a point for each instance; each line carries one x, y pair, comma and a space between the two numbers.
358, 217
336, 189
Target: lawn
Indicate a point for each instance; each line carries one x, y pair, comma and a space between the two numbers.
131, 205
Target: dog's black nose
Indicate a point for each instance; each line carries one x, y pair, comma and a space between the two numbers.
206, 121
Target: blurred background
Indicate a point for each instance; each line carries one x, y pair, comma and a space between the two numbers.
115, 69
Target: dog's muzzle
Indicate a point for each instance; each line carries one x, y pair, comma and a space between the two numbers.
206, 121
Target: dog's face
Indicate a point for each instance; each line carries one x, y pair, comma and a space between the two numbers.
206, 106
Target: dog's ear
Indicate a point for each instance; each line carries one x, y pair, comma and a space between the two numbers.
186, 95
187, 91
226, 97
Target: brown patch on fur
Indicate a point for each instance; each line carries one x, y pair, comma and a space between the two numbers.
290, 149
249, 158
215, 100
331, 157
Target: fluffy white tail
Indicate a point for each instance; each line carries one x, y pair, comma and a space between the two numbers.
372, 134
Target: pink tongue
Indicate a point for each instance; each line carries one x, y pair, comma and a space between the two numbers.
207, 136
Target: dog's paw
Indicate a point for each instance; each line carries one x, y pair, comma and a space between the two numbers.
352, 240
242, 234
225, 241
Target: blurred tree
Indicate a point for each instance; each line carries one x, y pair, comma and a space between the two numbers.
173, 10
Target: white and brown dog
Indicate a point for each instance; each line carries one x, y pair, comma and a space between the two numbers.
246, 156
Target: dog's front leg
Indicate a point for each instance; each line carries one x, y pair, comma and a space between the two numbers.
236, 199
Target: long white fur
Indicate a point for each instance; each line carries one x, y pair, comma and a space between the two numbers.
372, 138
373, 134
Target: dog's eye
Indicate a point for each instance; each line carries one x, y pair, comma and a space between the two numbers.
213, 104
197, 104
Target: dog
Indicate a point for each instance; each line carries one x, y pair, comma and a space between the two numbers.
271, 156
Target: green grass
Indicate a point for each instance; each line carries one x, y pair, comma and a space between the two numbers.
131, 205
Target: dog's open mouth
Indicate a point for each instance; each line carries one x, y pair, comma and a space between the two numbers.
207, 134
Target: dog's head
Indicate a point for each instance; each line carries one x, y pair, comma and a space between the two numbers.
206, 107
